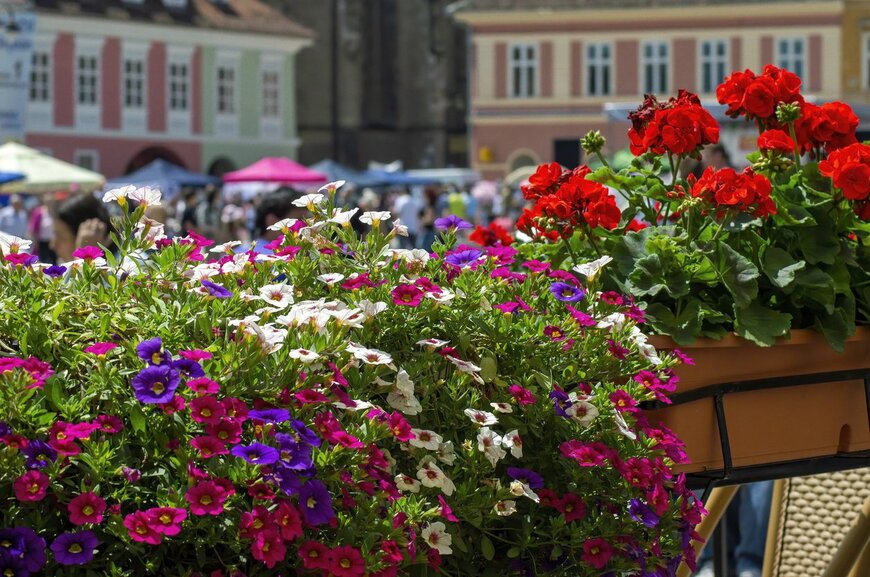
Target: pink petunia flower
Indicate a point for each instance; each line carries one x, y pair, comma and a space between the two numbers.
86, 508
206, 498
100, 349
88, 253
139, 527
31, 486
407, 295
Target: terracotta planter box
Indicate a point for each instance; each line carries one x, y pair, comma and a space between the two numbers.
773, 425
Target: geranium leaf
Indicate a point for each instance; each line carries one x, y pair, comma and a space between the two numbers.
821, 244
780, 267
759, 324
738, 274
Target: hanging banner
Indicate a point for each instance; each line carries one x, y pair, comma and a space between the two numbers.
17, 28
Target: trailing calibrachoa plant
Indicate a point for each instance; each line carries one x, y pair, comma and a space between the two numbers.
335, 408
783, 244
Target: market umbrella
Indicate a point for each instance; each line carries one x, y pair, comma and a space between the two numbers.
275, 169
10, 177
335, 171
164, 175
520, 175
43, 173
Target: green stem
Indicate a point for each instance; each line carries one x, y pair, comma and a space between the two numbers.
797, 151
602, 159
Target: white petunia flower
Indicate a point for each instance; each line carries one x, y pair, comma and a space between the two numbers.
304, 355
352, 318
622, 426
505, 508
581, 410
520, 489
371, 356
371, 309
404, 382
423, 439
442, 296
614, 322
431, 475
226, 247
284, 225
399, 229
482, 418
374, 218
10, 244
343, 217
405, 403
502, 407
591, 269
309, 201
464, 366
356, 405
330, 278
146, 195
445, 453
514, 443
436, 536
432, 343
150, 231
117, 194
489, 442
407, 484
331, 187
277, 295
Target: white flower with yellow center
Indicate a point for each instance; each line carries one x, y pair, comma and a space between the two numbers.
331, 187
309, 201
520, 489
284, 225
11, 244
118, 195
277, 295
375, 218
591, 269
146, 196
343, 217
330, 278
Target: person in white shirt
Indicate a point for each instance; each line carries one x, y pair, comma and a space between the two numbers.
13, 218
407, 207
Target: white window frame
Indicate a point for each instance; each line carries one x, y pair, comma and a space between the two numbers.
134, 118
719, 63
865, 62
787, 59
40, 113
87, 115
656, 60
91, 153
175, 3
594, 65
271, 127
227, 123
528, 61
179, 120
44, 71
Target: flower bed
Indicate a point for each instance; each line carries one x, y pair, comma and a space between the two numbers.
336, 408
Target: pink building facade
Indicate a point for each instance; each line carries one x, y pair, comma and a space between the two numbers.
542, 78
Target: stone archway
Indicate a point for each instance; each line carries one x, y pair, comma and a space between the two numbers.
149, 155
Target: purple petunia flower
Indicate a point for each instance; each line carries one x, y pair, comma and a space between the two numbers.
288, 479
156, 384
216, 290
566, 293
293, 454
270, 415
74, 548
188, 368
451, 222
527, 476
641, 513
151, 351
256, 453
54, 271
305, 434
38, 455
25, 548
5, 429
463, 258
316, 503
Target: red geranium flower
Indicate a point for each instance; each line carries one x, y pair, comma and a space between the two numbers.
493, 235
776, 140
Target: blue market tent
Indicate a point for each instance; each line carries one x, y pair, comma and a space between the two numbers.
164, 175
10, 177
399, 178
336, 171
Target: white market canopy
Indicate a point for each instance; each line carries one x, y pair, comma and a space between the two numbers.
43, 173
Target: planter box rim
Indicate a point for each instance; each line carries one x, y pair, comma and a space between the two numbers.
796, 337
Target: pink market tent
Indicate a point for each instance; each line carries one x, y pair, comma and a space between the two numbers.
278, 170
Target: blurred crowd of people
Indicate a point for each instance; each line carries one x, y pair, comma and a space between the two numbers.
57, 223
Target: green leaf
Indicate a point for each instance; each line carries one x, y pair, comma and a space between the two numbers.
760, 324
137, 419
488, 369
818, 286
684, 329
487, 548
53, 391
780, 267
514, 552
738, 274
820, 244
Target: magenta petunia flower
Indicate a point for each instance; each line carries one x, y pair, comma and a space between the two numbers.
167, 520
195, 355
407, 295
88, 253
140, 528
209, 446
207, 409
522, 395
74, 548
206, 498
86, 508
536, 266
597, 552
100, 349
226, 431
31, 486
203, 386
109, 424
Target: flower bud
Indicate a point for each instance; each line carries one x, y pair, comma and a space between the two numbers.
593, 142
786, 113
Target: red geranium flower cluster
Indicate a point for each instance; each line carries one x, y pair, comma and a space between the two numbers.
492, 235
678, 126
757, 96
831, 125
726, 189
565, 202
849, 169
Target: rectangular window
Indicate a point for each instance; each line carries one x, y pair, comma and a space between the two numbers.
714, 64
40, 77
134, 83
87, 75
523, 70
791, 55
178, 86
88, 159
867, 62
599, 68
271, 94
226, 88
655, 65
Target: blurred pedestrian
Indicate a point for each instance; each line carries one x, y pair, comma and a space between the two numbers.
81, 220
41, 229
407, 208
13, 218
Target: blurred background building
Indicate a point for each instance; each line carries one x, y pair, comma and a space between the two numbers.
385, 80
543, 72
205, 84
